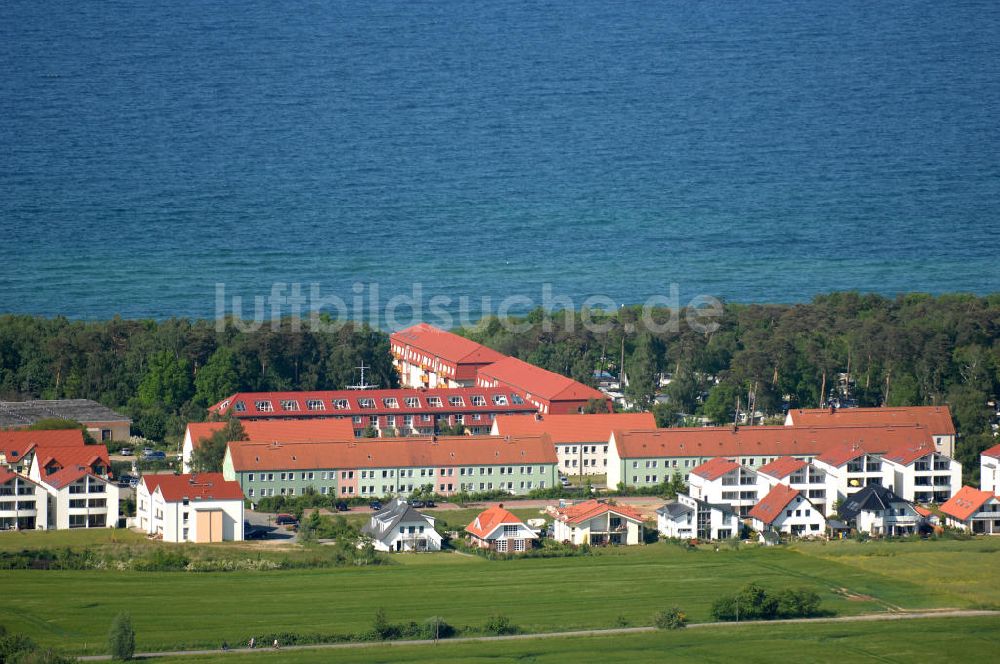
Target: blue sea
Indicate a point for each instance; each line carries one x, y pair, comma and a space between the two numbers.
156, 155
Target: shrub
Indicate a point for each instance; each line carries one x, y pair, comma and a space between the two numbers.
500, 624
672, 618
436, 627
755, 603
121, 638
797, 603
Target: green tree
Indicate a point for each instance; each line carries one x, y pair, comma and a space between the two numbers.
217, 379
121, 638
672, 618
720, 406
167, 382
642, 369
210, 452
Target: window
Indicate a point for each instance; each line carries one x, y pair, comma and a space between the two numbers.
501, 545
516, 399
357, 419
390, 402
500, 399
315, 404
390, 420
341, 404
250, 493
290, 405
412, 402
434, 402
240, 407
456, 401
426, 418
250, 477
264, 406
478, 400
366, 402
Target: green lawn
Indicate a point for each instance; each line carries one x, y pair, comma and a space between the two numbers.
72, 610
910, 642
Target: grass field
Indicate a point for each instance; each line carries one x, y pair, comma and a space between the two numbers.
911, 641
72, 610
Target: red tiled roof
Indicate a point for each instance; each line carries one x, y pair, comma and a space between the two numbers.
6, 476
782, 467
715, 468
287, 431
966, 502
85, 455
838, 456
488, 521
922, 511
228, 405
908, 453
200, 486
993, 452
406, 452
937, 419
760, 441
573, 428
67, 475
21, 441
770, 506
537, 381
589, 509
450, 347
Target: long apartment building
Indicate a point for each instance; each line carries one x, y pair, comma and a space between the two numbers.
392, 466
399, 412
427, 356
936, 419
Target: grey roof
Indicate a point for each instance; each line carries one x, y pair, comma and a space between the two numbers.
398, 511
872, 497
22, 413
674, 509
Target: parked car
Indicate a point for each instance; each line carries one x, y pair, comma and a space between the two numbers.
430, 503
342, 507
155, 455
254, 533
417, 503
126, 480
375, 505
286, 520
126, 451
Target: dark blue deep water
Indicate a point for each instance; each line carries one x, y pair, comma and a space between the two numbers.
763, 151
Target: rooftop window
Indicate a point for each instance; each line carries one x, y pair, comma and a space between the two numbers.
366, 402
412, 402
240, 407
500, 399
315, 404
478, 400
434, 402
264, 406
289, 405
341, 404
390, 402
516, 398
456, 401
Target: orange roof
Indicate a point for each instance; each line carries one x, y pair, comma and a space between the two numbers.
782, 467
69, 474
280, 430
715, 468
15, 444
404, 452
589, 509
966, 502
450, 347
573, 428
489, 520
770, 506
760, 441
838, 456
937, 419
200, 486
66, 457
6, 476
538, 382
908, 453
993, 452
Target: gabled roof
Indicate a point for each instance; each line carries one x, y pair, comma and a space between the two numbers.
538, 382
760, 441
838, 456
782, 467
6, 476
674, 509
509, 402
398, 511
491, 519
774, 503
68, 475
194, 486
907, 453
329, 429
936, 419
85, 455
24, 413
450, 347
16, 443
966, 502
872, 497
407, 451
993, 452
715, 468
591, 508
594, 428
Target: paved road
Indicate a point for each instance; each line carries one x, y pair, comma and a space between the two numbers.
870, 617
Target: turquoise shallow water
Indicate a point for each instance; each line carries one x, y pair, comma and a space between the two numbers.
752, 151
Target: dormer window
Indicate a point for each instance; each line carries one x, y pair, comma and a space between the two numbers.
290, 405
456, 401
390, 402
264, 406
341, 404
240, 407
434, 402
478, 400
500, 399
315, 404
366, 403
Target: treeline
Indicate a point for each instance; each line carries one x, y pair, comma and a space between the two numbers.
164, 374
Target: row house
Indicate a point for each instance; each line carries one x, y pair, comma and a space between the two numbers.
392, 466
726, 482
202, 507
427, 356
690, 518
974, 511
877, 510
598, 523
548, 392
648, 457
919, 473
499, 530
18, 447
400, 412
936, 419
581, 441
24, 504
786, 510
989, 470
799, 474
